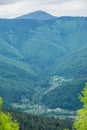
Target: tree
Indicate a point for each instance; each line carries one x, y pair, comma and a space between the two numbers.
6, 122
1, 102
80, 122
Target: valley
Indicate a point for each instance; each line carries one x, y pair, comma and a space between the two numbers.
43, 64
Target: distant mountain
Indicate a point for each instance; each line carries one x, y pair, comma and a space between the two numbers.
37, 15
43, 61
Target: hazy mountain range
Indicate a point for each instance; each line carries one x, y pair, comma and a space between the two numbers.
43, 59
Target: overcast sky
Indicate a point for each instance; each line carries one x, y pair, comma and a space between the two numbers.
14, 8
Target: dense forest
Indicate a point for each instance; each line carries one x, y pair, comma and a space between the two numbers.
34, 122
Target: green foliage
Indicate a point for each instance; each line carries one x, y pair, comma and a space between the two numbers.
1, 102
83, 97
6, 122
80, 122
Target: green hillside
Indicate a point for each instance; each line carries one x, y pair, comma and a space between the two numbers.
65, 96
15, 83
33, 52
72, 65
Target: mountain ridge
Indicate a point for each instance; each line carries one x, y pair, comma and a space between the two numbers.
37, 15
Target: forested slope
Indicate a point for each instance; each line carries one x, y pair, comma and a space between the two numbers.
32, 52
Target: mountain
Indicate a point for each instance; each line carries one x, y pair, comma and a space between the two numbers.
43, 61
72, 65
38, 15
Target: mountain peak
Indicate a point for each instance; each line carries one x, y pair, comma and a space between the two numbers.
37, 15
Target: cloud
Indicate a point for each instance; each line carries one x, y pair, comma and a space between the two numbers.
14, 8
3, 2
70, 8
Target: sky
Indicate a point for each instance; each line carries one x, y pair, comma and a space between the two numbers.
15, 8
